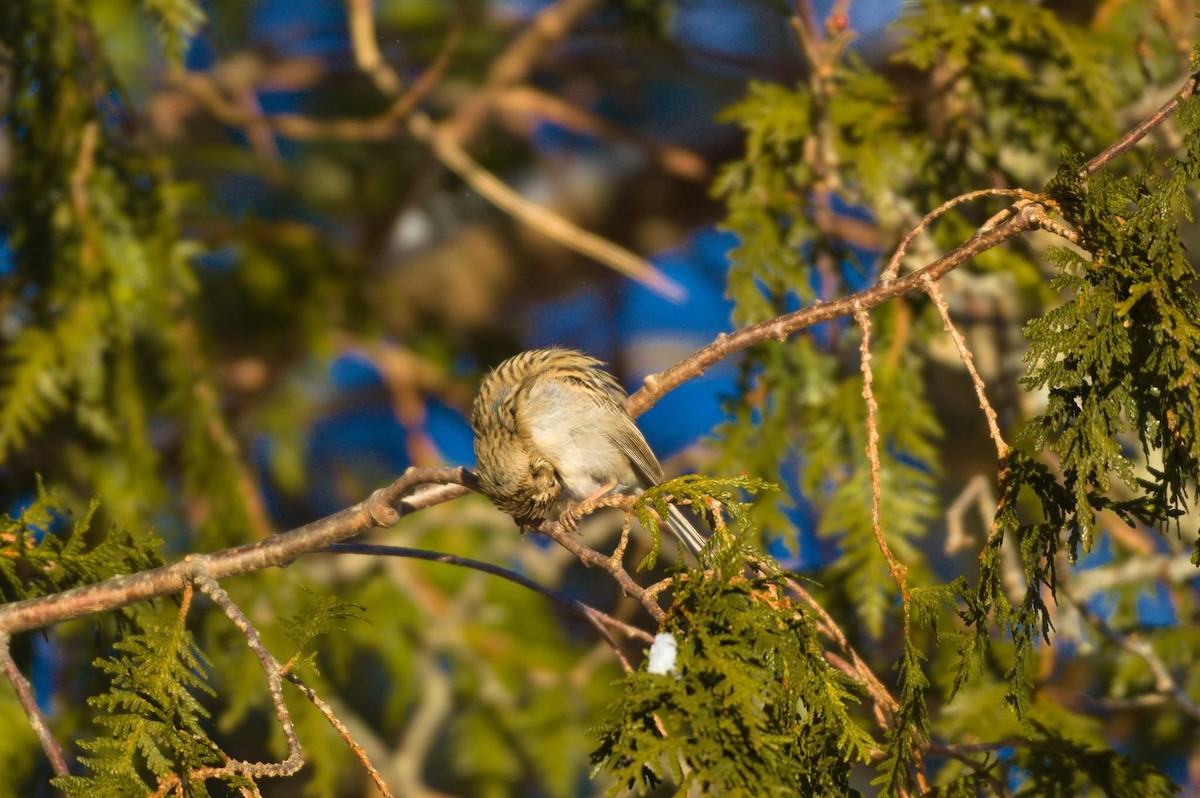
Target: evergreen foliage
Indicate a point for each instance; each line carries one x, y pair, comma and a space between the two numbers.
749, 678
153, 725
39, 556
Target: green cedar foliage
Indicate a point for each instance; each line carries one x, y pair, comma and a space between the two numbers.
37, 559
751, 709
1120, 360
1059, 767
103, 343
1003, 88
153, 725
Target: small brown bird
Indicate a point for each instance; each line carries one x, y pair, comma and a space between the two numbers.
551, 429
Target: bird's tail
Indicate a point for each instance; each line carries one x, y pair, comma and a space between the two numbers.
687, 529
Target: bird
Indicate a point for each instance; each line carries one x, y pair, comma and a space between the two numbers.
552, 432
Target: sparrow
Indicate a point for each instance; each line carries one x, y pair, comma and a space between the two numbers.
551, 431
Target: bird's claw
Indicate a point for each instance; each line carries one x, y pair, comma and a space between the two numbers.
571, 516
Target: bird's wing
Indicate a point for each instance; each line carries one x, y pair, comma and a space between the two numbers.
632, 443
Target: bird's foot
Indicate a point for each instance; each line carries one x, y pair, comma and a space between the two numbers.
571, 516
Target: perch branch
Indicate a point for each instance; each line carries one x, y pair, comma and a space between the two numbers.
380, 509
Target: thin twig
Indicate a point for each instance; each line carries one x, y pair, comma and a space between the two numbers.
590, 557
989, 412
295, 758
37, 721
576, 606
896, 568
341, 729
1189, 89
893, 266
781, 327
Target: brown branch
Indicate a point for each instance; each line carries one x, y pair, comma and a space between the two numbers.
989, 412
1021, 217
53, 751
1119, 147
893, 266
896, 568
590, 557
380, 509
341, 729
295, 758
781, 327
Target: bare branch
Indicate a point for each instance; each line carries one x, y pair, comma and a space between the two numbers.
781, 327
54, 752
590, 557
337, 724
1189, 89
989, 412
893, 266
270, 666
896, 568
380, 509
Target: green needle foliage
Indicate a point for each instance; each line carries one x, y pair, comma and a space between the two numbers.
35, 559
751, 707
153, 726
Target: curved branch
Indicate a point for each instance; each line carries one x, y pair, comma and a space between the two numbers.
583, 610
781, 327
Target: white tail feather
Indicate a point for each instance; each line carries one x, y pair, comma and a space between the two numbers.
683, 528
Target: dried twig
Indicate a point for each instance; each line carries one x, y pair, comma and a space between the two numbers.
989, 412
895, 567
37, 721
